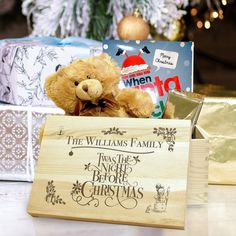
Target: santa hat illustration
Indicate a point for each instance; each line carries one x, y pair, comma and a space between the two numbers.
134, 65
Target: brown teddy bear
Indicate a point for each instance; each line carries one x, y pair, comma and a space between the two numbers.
89, 87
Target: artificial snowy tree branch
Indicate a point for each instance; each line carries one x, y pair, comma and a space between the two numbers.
58, 17
162, 13
88, 18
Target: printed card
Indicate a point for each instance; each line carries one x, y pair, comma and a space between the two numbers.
153, 66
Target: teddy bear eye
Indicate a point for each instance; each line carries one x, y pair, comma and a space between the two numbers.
76, 83
88, 77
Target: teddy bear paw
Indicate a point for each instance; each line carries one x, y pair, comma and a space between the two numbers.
136, 102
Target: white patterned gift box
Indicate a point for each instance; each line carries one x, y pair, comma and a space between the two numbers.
19, 143
25, 63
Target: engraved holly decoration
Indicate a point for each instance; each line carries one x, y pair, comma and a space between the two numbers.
168, 135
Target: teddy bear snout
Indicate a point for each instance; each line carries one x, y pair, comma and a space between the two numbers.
90, 90
85, 88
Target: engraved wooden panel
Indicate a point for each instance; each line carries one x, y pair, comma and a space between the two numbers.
117, 170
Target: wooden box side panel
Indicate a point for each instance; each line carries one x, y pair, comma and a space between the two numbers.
198, 172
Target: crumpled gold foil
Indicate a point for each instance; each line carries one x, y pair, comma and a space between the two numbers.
218, 120
183, 105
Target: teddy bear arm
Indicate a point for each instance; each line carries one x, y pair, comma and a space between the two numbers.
136, 102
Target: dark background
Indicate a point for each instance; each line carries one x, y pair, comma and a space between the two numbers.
215, 49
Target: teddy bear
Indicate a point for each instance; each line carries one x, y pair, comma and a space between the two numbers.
89, 87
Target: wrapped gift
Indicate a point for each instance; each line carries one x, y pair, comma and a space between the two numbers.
218, 122
25, 63
19, 143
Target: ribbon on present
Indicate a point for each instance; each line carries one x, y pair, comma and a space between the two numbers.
50, 41
53, 41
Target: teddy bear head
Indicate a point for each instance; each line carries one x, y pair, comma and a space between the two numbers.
84, 80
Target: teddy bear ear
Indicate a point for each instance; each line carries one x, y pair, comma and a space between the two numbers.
50, 84
107, 59
104, 56
112, 63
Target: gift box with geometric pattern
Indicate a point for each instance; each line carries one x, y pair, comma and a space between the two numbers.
19, 140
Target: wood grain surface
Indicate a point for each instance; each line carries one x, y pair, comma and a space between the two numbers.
216, 218
198, 169
129, 171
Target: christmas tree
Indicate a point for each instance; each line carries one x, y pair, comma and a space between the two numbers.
98, 19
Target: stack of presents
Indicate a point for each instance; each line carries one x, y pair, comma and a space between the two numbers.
24, 106
25, 64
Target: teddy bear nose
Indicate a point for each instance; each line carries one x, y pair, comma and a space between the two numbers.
85, 88
89, 90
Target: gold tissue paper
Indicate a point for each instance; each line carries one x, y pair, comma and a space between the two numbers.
183, 105
218, 121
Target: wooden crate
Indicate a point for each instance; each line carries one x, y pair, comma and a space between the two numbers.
152, 171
